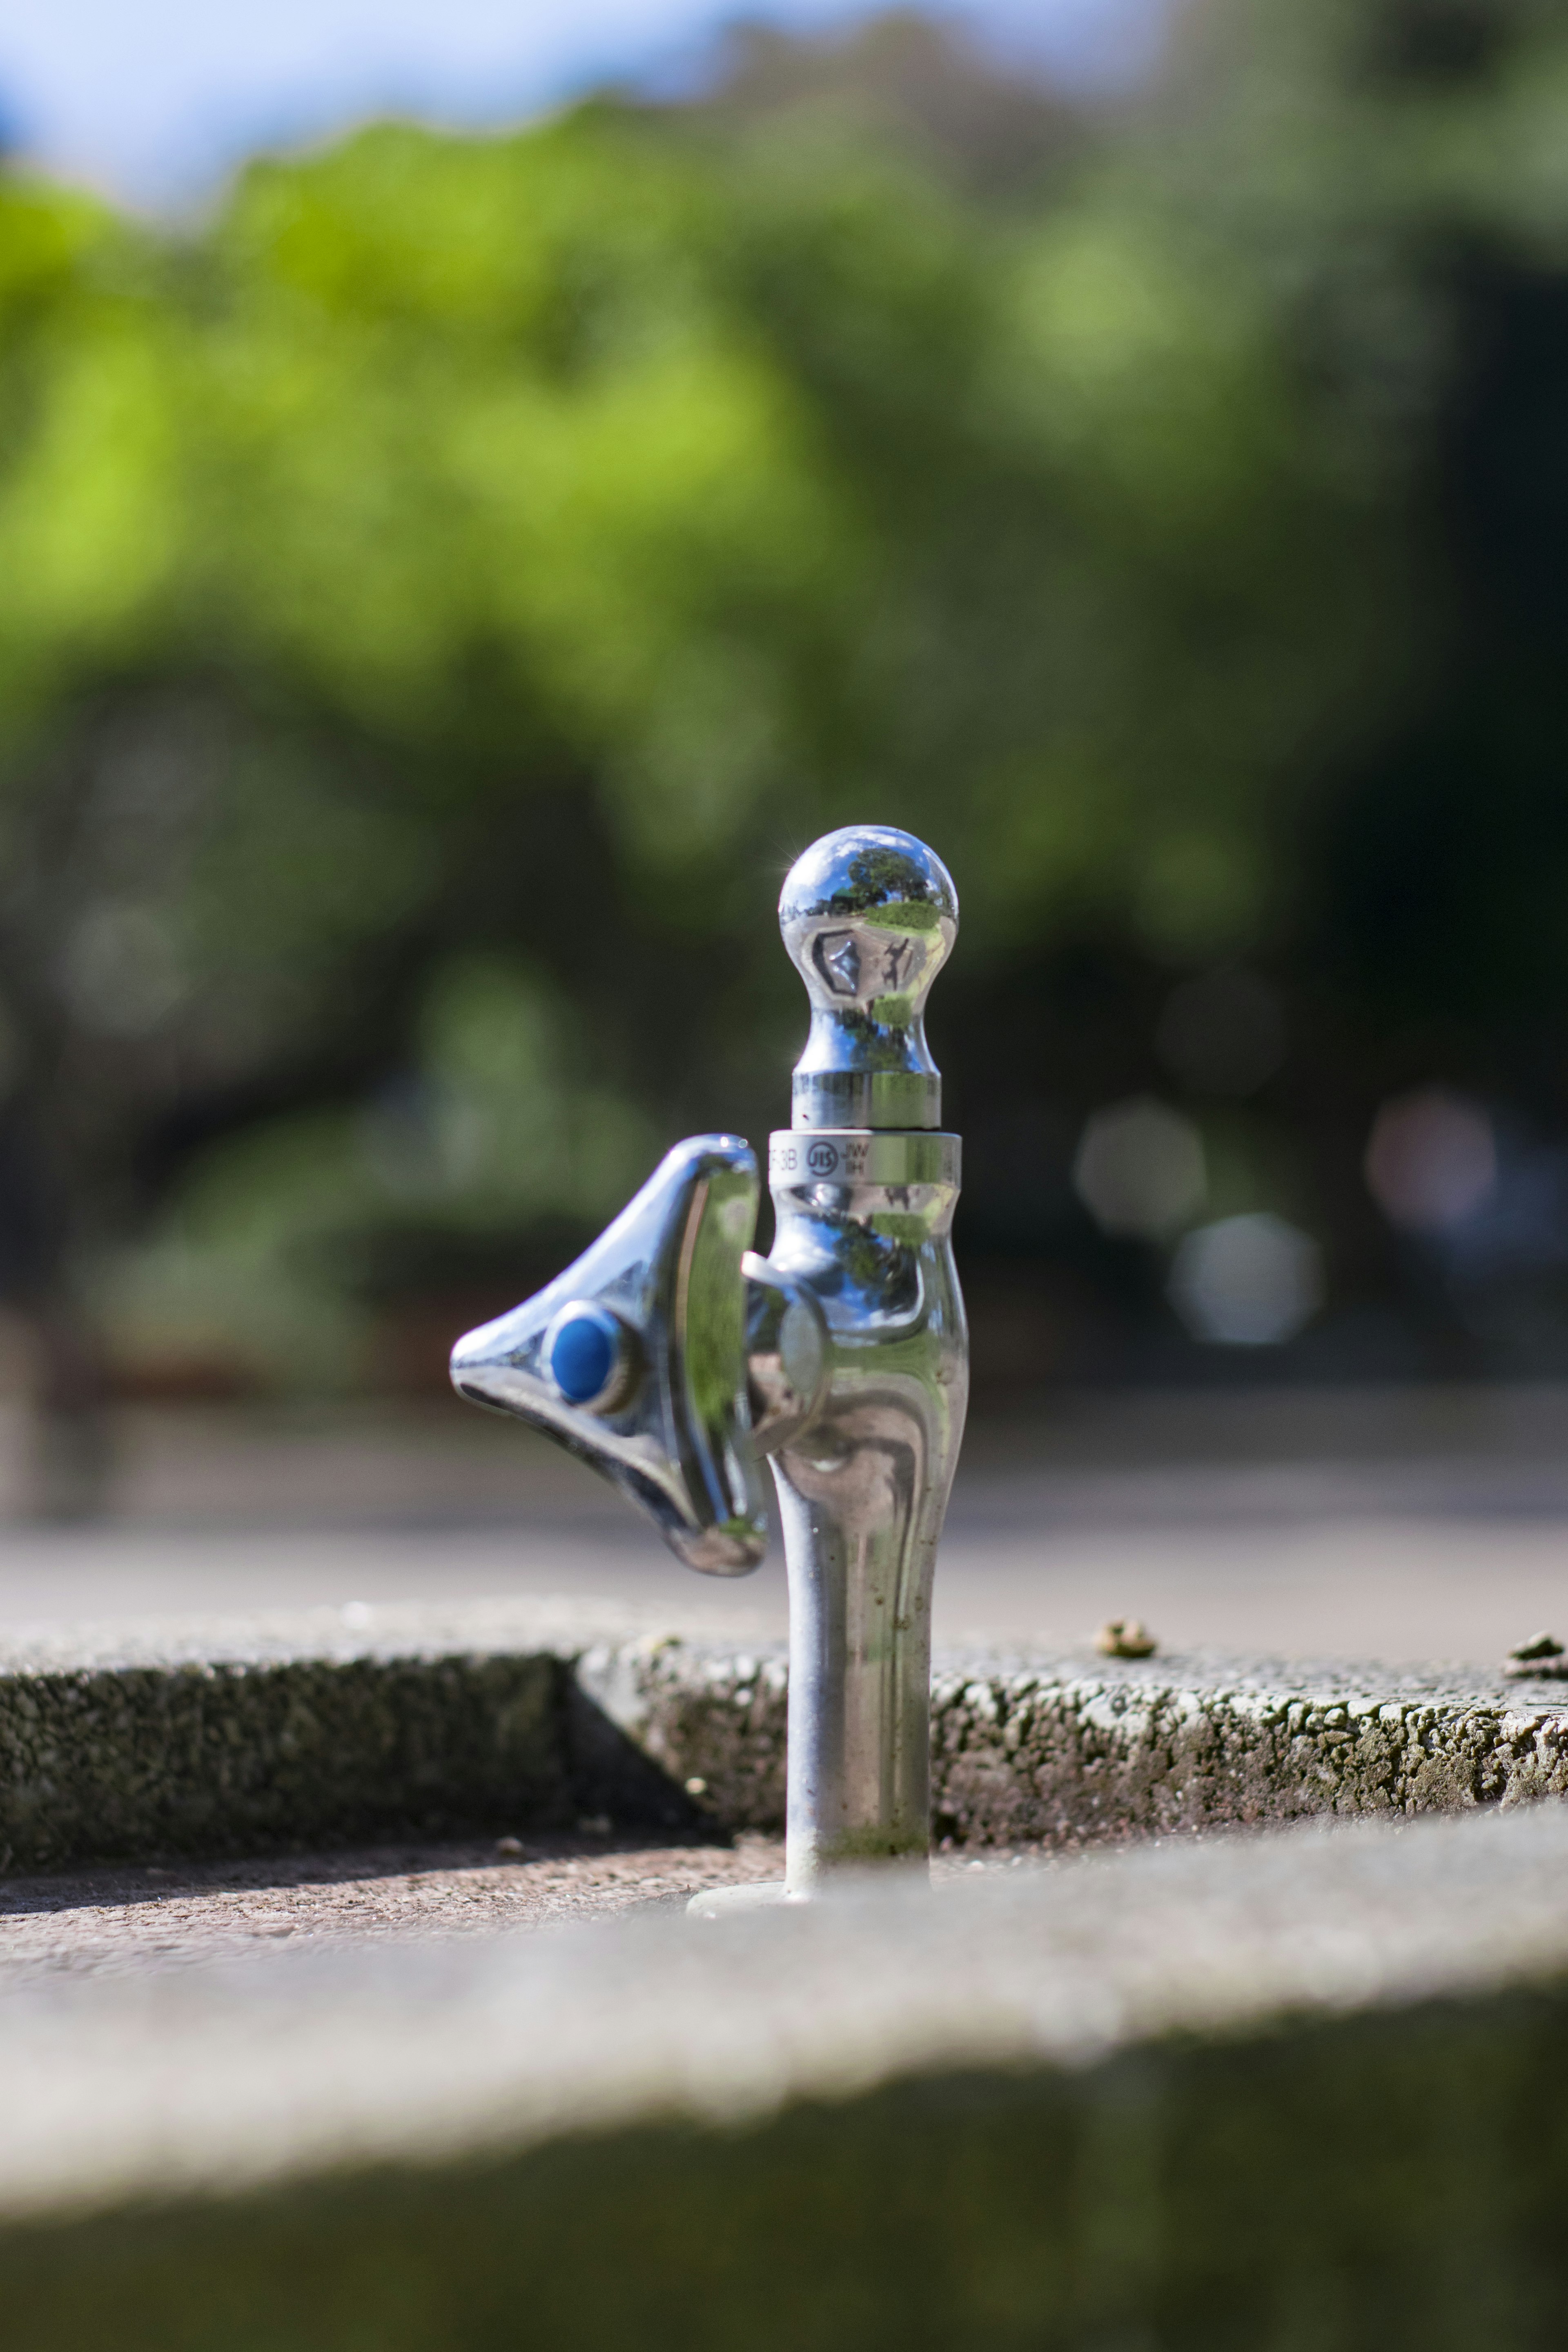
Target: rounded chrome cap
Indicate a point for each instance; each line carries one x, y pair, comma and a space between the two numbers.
868, 915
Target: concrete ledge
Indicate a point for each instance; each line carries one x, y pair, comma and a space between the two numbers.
340, 1727
1066, 1756
249, 1736
1301, 2094
1058, 1752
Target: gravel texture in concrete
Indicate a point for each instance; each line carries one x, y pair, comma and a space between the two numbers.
1297, 2094
214, 1737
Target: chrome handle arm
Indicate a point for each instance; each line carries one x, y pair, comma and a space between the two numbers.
635, 1358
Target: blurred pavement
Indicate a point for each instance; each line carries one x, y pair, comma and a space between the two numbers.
1400, 1525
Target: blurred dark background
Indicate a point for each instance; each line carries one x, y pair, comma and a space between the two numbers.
443, 587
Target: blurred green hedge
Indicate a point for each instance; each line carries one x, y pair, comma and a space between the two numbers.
440, 594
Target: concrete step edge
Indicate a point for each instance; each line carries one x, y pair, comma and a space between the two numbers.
216, 1737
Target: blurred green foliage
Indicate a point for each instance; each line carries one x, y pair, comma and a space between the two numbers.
440, 596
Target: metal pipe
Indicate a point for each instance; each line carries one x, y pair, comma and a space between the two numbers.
863, 1490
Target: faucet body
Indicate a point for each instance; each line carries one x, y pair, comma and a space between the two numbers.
863, 1488
674, 1360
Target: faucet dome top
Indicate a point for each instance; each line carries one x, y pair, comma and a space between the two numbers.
862, 867
868, 916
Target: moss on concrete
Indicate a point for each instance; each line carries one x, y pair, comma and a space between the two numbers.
1070, 1758
1055, 1752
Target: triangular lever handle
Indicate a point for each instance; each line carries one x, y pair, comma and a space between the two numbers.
636, 1357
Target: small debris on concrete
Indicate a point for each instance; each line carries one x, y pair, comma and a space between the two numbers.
1125, 1637
1539, 1646
511, 1849
1541, 1658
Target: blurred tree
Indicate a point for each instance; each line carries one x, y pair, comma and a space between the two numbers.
89, 533
1392, 173
441, 595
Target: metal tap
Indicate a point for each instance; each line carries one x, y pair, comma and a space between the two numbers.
674, 1360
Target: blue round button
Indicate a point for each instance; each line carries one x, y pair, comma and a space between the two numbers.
584, 1350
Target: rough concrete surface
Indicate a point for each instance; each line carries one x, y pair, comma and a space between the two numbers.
132, 1916
233, 1736
209, 1737
139, 1916
1296, 2094
1065, 1752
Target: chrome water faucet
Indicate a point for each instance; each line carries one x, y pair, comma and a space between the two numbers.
674, 1360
